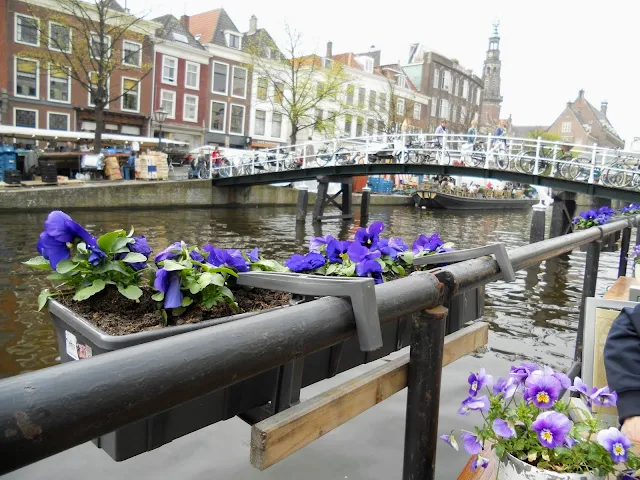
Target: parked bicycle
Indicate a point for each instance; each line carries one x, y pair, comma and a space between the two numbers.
331, 152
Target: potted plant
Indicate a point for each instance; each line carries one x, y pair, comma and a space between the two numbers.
530, 430
596, 218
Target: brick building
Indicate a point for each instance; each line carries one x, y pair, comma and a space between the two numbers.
44, 96
455, 92
582, 123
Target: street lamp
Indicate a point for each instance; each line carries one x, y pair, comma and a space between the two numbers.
160, 116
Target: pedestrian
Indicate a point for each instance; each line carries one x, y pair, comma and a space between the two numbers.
441, 131
309, 152
135, 148
501, 133
472, 133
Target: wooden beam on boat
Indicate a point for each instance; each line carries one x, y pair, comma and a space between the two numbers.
287, 432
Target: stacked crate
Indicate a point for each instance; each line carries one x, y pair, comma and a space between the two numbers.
152, 166
380, 185
7, 159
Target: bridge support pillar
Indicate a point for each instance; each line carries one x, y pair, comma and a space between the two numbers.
564, 209
303, 202
323, 198
538, 223
365, 203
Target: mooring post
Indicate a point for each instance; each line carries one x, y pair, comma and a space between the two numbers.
347, 189
318, 208
303, 202
365, 202
563, 210
624, 252
423, 396
538, 223
588, 290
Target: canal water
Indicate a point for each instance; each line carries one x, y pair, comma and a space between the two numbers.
535, 317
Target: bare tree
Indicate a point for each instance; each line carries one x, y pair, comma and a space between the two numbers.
79, 39
303, 84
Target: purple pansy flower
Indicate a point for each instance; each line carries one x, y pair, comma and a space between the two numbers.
521, 372
169, 253
479, 380
316, 242
602, 219
503, 429
569, 441
392, 246
139, 246
169, 284
589, 215
451, 440
303, 263
369, 237
606, 210
505, 386
542, 389
471, 403
579, 386
359, 253
576, 220
227, 258
604, 397
615, 443
335, 248
426, 244
479, 461
52, 250
253, 255
60, 228
471, 443
370, 268
552, 428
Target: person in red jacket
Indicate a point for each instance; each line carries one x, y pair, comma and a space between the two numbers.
216, 157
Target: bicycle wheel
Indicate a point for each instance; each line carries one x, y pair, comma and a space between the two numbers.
342, 156
203, 172
323, 158
224, 170
289, 161
573, 169
527, 162
502, 160
443, 157
413, 156
476, 159
620, 179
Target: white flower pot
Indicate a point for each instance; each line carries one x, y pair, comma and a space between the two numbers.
510, 468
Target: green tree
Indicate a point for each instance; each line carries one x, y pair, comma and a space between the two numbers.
545, 135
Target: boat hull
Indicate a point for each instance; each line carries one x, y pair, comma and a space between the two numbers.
439, 200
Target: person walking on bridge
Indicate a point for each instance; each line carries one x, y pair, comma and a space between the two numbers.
501, 131
441, 131
472, 133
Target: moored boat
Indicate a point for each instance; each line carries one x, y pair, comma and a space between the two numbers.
459, 200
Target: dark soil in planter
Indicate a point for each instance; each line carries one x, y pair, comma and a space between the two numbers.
116, 315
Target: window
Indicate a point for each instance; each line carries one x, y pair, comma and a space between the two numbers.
361, 94
347, 125
370, 126
27, 30
25, 118
276, 125
401, 81
218, 112
131, 53
190, 108
192, 78
368, 65
383, 101
220, 73
261, 117
59, 84
168, 102
460, 89
417, 110
262, 88
436, 78
380, 127
58, 121
278, 92
93, 79
359, 127
465, 89
320, 90
478, 93
237, 120
444, 109
319, 114
131, 94
233, 41
463, 115
239, 87
169, 70
456, 86
566, 127
454, 114
400, 107
446, 81
59, 37
434, 107
372, 100
26, 80
350, 92
100, 46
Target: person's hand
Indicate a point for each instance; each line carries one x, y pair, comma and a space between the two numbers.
631, 428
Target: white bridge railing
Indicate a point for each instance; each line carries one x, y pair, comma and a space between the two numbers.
578, 163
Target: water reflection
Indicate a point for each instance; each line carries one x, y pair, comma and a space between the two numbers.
535, 316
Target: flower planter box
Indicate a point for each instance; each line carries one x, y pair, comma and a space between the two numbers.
511, 468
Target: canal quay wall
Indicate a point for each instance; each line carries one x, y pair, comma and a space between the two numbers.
160, 194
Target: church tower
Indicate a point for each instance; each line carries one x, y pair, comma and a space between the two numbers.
491, 98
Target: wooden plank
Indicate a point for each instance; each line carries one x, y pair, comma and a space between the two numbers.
620, 288
281, 435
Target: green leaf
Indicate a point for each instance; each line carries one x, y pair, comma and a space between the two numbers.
158, 297
134, 258
65, 266
106, 241
172, 265
407, 257
57, 276
38, 262
130, 234
223, 270
132, 292
111, 266
186, 301
332, 268
399, 269
43, 298
217, 279
120, 244
194, 286
84, 293
349, 270
226, 292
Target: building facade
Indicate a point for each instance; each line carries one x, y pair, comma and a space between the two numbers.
455, 92
583, 124
42, 94
491, 97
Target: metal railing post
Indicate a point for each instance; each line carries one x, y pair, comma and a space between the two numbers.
253, 163
536, 168
509, 152
602, 164
444, 143
486, 156
366, 152
592, 175
624, 252
588, 290
423, 395
554, 169
335, 149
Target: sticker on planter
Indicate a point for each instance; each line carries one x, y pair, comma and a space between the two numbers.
72, 345
84, 351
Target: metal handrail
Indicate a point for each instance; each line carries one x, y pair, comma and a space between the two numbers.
53, 409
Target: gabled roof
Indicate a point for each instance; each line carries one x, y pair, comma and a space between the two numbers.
604, 121
396, 69
174, 31
348, 59
211, 26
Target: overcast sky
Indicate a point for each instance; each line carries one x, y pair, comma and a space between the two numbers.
550, 49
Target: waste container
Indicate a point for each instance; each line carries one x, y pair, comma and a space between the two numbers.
48, 171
